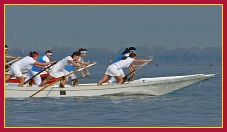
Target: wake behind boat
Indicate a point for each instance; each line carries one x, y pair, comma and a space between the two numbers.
146, 86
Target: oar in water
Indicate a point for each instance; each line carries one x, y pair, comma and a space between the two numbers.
40, 72
59, 80
126, 76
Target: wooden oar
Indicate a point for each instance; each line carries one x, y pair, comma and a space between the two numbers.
132, 78
40, 72
13, 61
59, 80
8, 63
126, 76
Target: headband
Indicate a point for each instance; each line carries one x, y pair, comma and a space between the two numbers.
132, 51
83, 52
48, 53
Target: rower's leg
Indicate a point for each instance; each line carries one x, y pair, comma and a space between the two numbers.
119, 79
75, 82
62, 82
104, 79
47, 79
7, 77
21, 78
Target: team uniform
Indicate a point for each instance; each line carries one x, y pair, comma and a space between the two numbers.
34, 70
114, 69
58, 69
113, 79
69, 69
25, 63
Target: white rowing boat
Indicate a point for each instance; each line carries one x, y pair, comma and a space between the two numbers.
144, 86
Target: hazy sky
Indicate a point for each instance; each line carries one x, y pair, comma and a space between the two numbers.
33, 27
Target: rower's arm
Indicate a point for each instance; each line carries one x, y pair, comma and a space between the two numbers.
12, 57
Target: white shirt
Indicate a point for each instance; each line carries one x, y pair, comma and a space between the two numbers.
46, 59
58, 69
25, 63
123, 63
63, 63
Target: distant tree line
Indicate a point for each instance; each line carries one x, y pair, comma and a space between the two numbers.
161, 55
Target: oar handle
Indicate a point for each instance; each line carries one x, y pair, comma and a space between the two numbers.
76, 78
76, 71
13, 61
136, 69
126, 76
143, 65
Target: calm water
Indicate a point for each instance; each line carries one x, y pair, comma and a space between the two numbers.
196, 105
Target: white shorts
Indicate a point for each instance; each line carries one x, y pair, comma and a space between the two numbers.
56, 73
113, 79
112, 70
14, 71
122, 72
37, 78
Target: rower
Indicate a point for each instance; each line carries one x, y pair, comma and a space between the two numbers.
57, 71
7, 65
113, 69
123, 55
80, 61
34, 70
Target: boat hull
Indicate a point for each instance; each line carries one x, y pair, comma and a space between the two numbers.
145, 86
